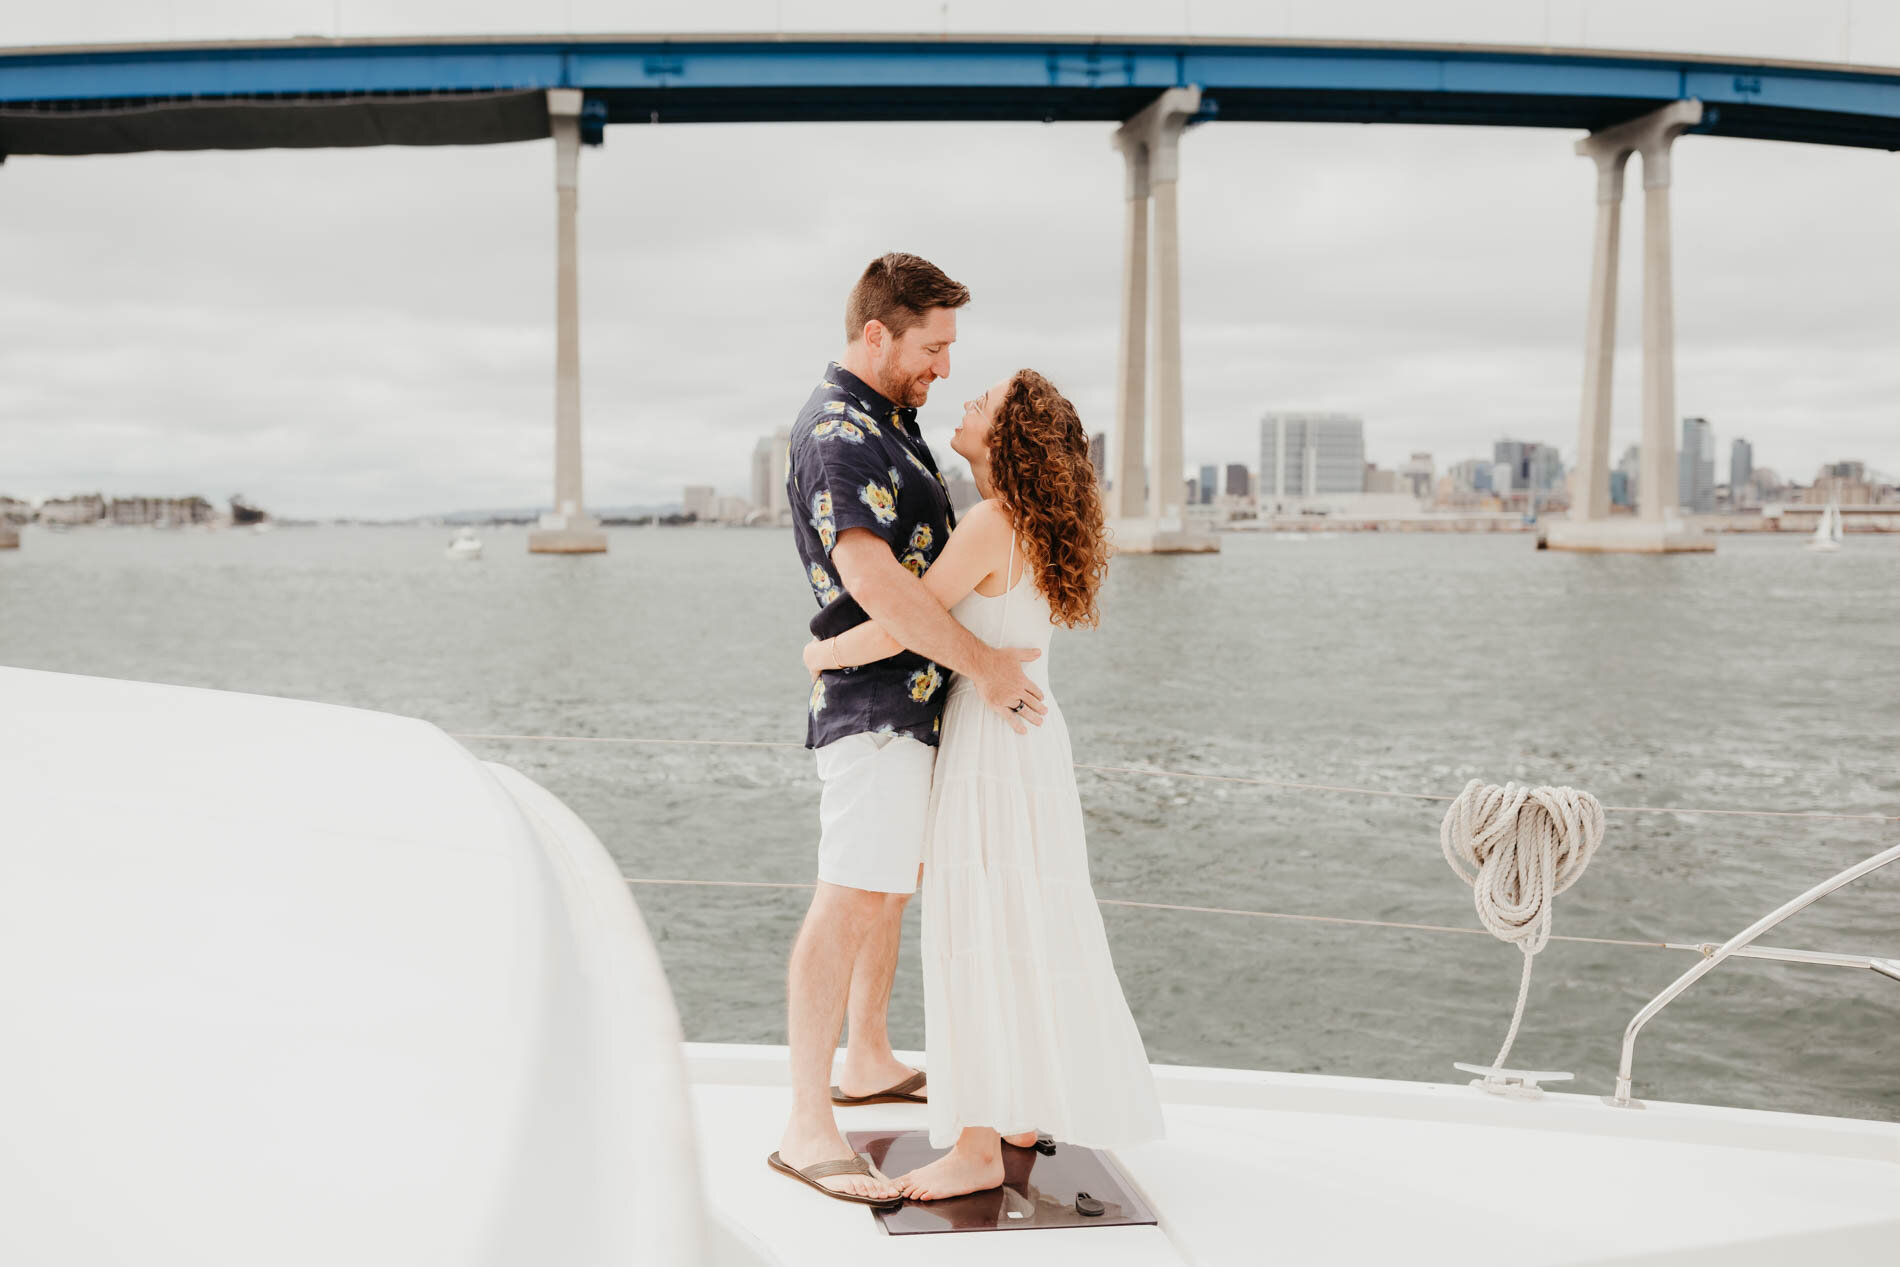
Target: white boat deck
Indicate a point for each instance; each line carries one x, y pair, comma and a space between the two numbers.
1291, 1168
294, 984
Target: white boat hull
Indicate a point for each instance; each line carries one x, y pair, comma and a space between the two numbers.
300, 985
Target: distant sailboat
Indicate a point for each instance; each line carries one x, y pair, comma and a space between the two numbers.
466, 545
1827, 533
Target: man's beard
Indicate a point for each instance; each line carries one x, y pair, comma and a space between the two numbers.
910, 392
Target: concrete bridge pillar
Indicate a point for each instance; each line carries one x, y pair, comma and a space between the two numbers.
568, 528
1591, 500
1147, 509
1658, 496
1128, 458
1165, 493
1659, 529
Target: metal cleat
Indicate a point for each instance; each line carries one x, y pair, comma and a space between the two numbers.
1519, 1084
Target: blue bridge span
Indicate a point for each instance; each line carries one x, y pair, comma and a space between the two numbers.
307, 93
468, 91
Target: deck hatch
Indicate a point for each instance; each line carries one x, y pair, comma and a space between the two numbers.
1038, 1191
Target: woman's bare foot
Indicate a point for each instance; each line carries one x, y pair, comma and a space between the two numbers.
1025, 1140
958, 1171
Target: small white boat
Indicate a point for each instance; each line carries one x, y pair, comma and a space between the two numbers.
1827, 533
465, 545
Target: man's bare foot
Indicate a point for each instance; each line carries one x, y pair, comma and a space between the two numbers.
951, 1175
1025, 1140
800, 1151
869, 1079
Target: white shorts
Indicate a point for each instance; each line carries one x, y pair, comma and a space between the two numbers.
872, 811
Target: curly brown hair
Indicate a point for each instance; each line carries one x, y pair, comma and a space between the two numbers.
1039, 466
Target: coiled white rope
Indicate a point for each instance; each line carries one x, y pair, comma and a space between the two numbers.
1518, 847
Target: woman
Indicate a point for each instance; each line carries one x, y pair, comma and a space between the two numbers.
1026, 1028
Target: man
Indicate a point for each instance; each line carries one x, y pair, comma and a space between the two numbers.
870, 513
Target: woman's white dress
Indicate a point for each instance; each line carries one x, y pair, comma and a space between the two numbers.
1025, 1023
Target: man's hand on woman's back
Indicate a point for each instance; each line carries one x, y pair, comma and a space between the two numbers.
1008, 690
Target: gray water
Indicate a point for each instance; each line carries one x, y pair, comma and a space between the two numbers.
1760, 677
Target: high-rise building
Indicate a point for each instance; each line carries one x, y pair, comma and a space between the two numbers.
1510, 459
1843, 482
1098, 457
1547, 469
771, 465
1629, 466
1207, 486
1473, 475
1695, 467
1419, 473
1305, 455
698, 502
1620, 488
1529, 467
1741, 468
1236, 480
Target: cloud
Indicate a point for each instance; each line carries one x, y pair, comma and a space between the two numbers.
370, 332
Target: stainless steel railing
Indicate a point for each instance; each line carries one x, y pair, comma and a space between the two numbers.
1739, 945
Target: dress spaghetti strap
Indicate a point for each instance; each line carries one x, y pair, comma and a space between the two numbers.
1009, 561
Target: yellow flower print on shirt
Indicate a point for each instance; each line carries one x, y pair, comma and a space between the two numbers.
818, 697
916, 562
920, 537
897, 481
883, 505
834, 407
822, 521
864, 420
916, 461
826, 428
823, 586
924, 683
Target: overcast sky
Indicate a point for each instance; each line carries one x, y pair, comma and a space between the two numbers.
370, 332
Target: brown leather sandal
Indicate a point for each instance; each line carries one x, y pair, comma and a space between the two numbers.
858, 1165
903, 1093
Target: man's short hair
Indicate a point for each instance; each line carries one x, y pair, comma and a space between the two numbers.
898, 289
